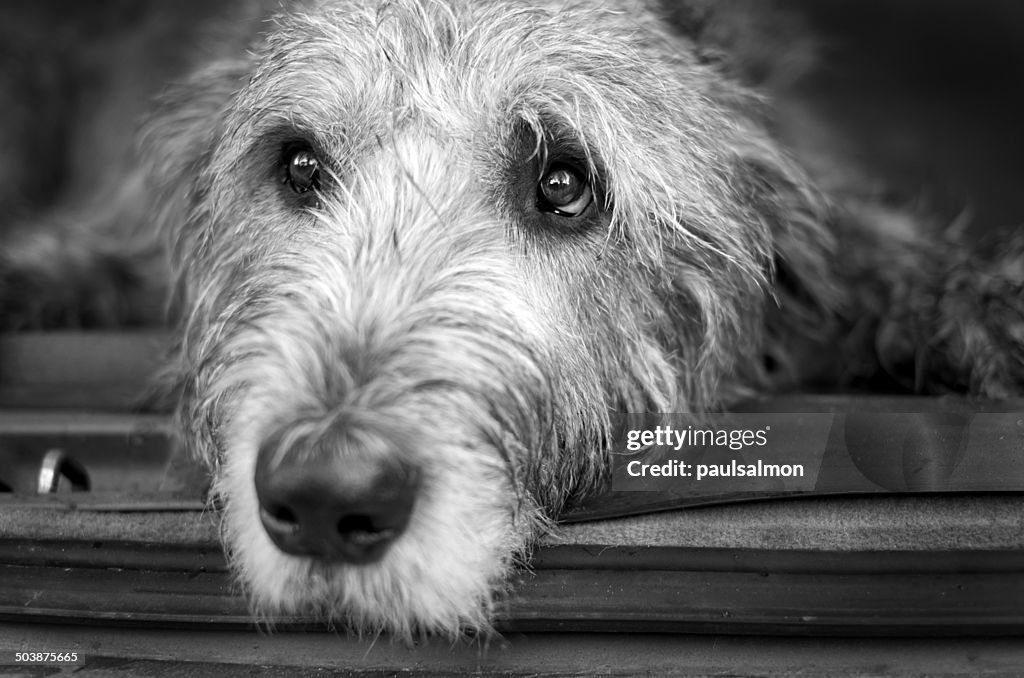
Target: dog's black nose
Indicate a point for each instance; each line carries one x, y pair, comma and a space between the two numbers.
339, 498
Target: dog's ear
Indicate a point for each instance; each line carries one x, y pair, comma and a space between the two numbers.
177, 141
178, 137
175, 144
805, 297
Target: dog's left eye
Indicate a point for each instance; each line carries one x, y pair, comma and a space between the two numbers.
302, 171
564, 190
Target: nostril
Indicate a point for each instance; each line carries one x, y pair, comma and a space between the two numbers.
361, 529
355, 524
279, 518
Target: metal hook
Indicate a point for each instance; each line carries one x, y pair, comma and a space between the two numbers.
56, 464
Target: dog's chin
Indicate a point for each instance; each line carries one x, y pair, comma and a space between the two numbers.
442, 577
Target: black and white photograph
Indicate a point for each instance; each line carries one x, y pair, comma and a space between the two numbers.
512, 337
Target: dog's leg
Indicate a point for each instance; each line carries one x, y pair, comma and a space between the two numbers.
89, 268
936, 311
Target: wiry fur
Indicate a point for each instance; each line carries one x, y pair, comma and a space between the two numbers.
425, 306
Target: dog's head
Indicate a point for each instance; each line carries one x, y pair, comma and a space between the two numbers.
424, 249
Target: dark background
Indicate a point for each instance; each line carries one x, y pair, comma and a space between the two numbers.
930, 93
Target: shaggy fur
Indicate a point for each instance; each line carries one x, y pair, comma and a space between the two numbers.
422, 304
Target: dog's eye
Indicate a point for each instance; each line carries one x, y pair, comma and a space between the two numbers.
302, 170
564, 190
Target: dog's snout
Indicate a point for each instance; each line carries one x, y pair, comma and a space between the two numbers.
335, 499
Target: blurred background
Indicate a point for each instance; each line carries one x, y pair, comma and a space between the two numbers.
930, 94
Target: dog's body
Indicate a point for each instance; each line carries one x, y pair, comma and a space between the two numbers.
423, 249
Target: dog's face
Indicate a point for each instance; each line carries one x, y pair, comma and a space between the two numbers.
425, 249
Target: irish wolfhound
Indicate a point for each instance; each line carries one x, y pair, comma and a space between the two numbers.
423, 249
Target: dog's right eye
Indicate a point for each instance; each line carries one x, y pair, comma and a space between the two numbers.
564, 190
302, 170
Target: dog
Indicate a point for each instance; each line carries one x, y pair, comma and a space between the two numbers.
420, 251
